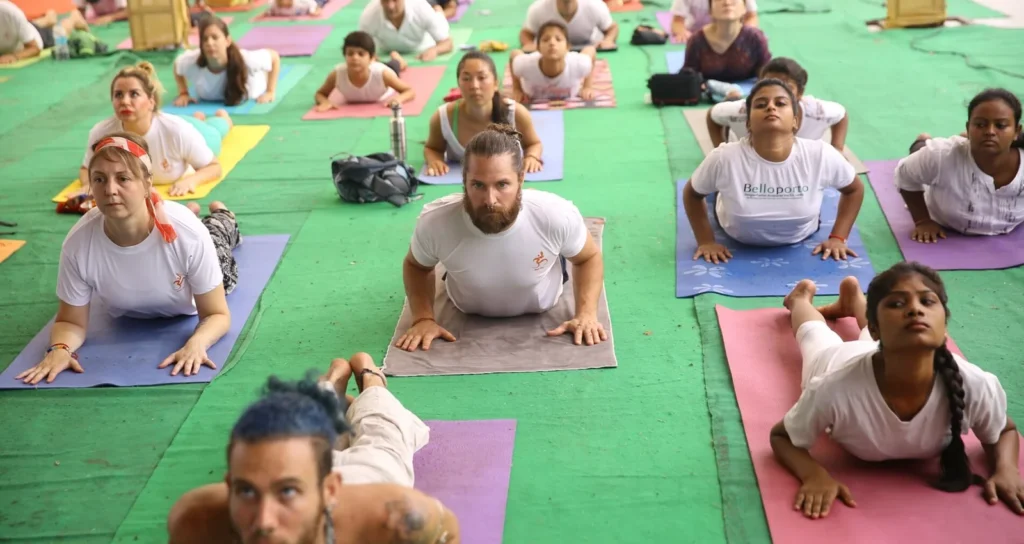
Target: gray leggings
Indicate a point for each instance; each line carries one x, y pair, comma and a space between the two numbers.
224, 230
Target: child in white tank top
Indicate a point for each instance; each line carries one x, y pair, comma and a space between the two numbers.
362, 79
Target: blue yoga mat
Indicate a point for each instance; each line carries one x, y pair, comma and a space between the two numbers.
126, 351
550, 126
286, 81
756, 271
675, 59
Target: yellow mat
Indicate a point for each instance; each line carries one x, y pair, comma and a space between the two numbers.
44, 54
239, 141
8, 247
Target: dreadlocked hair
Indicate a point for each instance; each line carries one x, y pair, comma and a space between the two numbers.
956, 475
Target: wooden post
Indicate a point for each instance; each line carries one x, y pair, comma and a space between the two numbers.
158, 23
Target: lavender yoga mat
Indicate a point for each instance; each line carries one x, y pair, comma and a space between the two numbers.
956, 251
467, 465
460, 11
126, 352
288, 41
665, 21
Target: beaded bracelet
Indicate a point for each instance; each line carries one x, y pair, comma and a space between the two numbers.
61, 345
837, 237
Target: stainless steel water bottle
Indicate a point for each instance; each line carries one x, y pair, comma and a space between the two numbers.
397, 132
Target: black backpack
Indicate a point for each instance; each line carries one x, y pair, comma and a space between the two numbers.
374, 178
682, 89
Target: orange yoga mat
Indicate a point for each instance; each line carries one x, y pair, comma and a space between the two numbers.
37, 8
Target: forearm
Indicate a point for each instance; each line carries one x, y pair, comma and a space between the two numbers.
714, 131
527, 40
587, 280
839, 133
916, 205
849, 207
697, 213
797, 460
320, 98
419, 289
207, 173
28, 52
678, 25
65, 332
433, 155
406, 95
1004, 454
535, 150
272, 76
444, 46
182, 85
209, 330
612, 34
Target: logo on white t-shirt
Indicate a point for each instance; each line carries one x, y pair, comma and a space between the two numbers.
179, 281
765, 191
539, 260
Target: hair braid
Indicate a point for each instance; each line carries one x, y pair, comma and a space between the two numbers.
956, 468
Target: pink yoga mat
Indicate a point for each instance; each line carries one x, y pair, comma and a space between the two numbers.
895, 502
193, 36
288, 41
330, 8
956, 251
424, 80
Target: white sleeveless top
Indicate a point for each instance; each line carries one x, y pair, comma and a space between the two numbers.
373, 90
454, 150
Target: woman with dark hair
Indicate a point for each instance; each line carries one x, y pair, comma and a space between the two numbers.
972, 183
481, 104
896, 393
816, 116
727, 50
219, 71
770, 184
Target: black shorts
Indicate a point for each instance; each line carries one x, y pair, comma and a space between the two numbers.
47, 35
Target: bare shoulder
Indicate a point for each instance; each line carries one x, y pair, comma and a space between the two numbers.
392, 514
200, 516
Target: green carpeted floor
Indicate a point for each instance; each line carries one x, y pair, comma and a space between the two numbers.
652, 451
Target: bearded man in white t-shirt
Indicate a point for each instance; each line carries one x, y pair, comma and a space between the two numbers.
407, 27
503, 249
589, 22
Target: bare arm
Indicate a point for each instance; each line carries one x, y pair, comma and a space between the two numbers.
528, 40
697, 213
29, 50
588, 278
419, 288
214, 318
714, 131
1003, 455
532, 146
850, 199
916, 205
275, 70
839, 133
325, 90
797, 460
433, 150
182, 84
205, 174
70, 325
444, 46
611, 35
404, 90
679, 30
591, 52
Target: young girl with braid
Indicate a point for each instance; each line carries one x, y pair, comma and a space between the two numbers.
896, 393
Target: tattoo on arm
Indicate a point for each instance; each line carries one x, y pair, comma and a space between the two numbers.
409, 524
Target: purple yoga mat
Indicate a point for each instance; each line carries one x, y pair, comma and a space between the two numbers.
461, 10
288, 41
466, 465
956, 251
126, 352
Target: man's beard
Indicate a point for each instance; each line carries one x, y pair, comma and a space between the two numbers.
310, 535
493, 220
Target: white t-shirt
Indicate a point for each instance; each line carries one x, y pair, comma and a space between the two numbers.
697, 13
104, 7
454, 149
210, 86
15, 29
174, 146
846, 403
771, 203
421, 29
588, 25
373, 90
958, 194
564, 86
151, 279
819, 116
511, 273
299, 8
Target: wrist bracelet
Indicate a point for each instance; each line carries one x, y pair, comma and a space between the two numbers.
922, 221
837, 237
61, 345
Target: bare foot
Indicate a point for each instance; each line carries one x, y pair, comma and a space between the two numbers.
851, 302
194, 207
804, 290
48, 20
402, 65
217, 205
199, 115
366, 372
223, 114
338, 375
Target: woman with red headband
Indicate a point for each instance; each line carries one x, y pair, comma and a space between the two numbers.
141, 257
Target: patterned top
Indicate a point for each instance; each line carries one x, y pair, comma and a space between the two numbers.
742, 60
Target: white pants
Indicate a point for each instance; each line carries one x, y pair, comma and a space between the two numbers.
386, 436
823, 351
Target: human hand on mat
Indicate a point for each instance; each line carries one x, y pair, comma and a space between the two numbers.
437, 168
532, 164
606, 46
713, 253
835, 248
584, 329
326, 106
54, 363
928, 232
183, 100
428, 55
817, 494
183, 187
1006, 485
189, 358
422, 333
265, 97
587, 94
